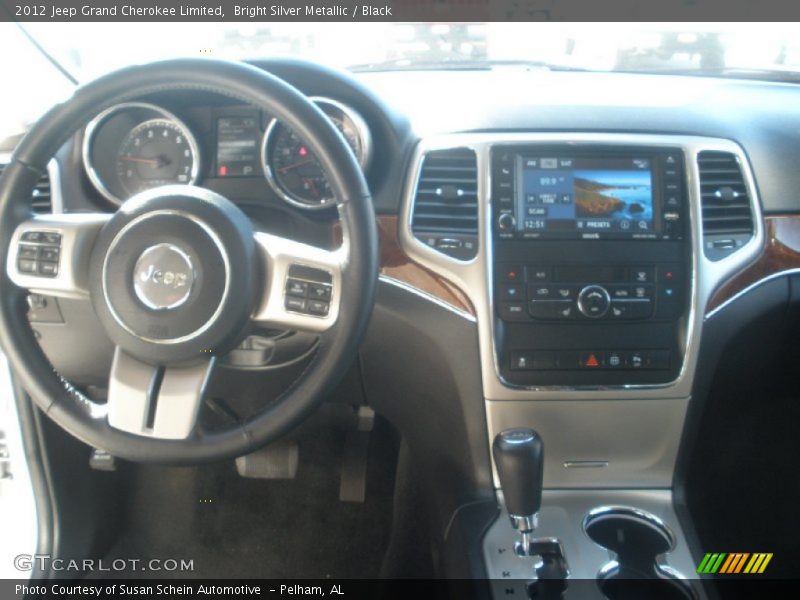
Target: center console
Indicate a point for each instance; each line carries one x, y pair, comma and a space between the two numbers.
590, 283
591, 264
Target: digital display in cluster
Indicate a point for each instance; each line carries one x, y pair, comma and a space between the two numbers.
237, 146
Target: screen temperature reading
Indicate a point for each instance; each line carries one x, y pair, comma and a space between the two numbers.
585, 195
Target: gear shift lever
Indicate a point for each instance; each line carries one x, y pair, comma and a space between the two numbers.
519, 458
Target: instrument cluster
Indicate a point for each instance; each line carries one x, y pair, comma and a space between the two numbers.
136, 146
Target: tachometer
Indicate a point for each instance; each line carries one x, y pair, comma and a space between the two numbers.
136, 146
154, 153
292, 169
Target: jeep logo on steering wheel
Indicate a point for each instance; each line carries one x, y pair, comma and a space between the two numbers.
163, 277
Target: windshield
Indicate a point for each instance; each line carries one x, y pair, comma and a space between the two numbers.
87, 50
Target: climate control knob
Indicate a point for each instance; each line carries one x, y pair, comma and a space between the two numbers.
594, 301
506, 222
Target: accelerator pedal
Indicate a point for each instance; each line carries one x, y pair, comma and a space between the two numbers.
353, 483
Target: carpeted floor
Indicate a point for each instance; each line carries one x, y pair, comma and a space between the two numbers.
237, 528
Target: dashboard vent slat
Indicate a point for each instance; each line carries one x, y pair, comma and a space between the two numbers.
446, 198
41, 198
726, 203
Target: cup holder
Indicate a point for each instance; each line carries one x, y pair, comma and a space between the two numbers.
637, 538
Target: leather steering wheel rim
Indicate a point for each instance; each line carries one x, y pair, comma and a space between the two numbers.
77, 413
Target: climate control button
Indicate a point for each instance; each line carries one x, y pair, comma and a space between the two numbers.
594, 301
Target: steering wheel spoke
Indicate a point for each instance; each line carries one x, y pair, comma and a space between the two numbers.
157, 402
50, 254
303, 284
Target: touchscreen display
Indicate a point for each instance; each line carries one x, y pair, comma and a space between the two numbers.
585, 196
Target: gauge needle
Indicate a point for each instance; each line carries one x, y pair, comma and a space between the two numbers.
147, 161
295, 165
156, 163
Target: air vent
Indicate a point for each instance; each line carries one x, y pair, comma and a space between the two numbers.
41, 198
445, 213
727, 209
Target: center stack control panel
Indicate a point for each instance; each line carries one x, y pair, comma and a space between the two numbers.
591, 264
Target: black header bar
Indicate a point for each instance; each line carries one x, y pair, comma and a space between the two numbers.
396, 10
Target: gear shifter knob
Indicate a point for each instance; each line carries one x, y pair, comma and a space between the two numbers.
519, 458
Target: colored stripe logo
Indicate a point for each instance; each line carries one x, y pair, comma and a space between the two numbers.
734, 562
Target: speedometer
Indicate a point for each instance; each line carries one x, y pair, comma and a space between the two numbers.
154, 153
293, 170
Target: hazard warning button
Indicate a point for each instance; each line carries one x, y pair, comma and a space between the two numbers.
592, 360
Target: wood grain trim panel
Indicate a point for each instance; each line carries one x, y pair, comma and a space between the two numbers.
399, 266
780, 253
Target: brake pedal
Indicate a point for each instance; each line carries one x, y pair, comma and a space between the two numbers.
276, 461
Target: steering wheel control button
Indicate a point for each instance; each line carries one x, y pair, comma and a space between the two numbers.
27, 251
26, 265
594, 301
38, 253
49, 254
163, 277
295, 304
318, 308
33, 236
295, 287
308, 291
319, 292
48, 269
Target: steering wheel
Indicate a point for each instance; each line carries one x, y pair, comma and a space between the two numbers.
178, 274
